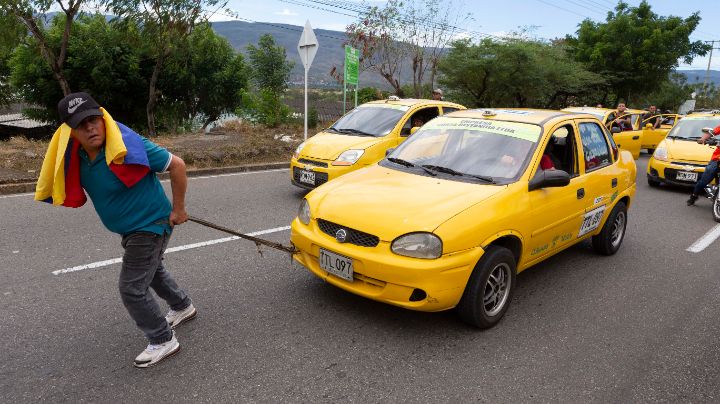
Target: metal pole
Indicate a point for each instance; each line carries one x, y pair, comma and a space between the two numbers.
306, 116
356, 91
707, 72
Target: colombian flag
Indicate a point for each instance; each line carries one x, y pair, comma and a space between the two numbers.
59, 180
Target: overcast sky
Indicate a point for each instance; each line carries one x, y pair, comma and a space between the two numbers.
552, 18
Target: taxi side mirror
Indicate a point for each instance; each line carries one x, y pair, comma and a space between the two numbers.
549, 179
648, 126
615, 129
414, 129
388, 151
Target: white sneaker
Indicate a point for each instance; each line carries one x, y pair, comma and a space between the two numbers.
175, 318
155, 353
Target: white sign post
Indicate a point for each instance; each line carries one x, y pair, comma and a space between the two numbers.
307, 47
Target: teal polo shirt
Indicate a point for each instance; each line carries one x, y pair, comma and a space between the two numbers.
123, 210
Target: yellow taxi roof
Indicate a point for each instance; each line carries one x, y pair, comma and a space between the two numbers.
602, 111
523, 115
414, 101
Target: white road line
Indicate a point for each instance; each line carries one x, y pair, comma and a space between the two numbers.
704, 241
105, 263
189, 178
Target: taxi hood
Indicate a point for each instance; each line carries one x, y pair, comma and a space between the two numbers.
687, 150
328, 146
389, 203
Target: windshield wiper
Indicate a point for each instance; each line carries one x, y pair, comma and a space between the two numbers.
450, 171
409, 164
331, 129
354, 132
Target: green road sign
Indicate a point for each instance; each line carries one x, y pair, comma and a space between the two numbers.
351, 65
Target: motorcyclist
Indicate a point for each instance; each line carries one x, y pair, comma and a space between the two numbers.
711, 169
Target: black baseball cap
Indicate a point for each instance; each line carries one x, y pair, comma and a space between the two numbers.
77, 106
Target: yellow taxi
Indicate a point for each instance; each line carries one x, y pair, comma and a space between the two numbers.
361, 137
630, 138
652, 136
679, 159
454, 213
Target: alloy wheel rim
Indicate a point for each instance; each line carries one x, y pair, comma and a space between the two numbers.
618, 229
497, 289
716, 204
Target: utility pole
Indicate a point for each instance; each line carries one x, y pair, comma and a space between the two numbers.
707, 72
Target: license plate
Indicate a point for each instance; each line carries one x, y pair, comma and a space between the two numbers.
336, 264
307, 177
591, 221
686, 176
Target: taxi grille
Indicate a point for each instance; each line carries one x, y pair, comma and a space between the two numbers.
320, 178
313, 162
682, 163
353, 236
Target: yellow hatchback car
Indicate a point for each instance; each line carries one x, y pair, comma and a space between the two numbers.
679, 159
631, 140
361, 137
470, 200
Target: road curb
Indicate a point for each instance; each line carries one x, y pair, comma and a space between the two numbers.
25, 187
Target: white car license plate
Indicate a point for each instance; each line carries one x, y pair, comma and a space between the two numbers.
336, 264
307, 177
686, 176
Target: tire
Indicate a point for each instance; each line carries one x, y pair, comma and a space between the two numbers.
650, 151
716, 206
490, 288
613, 232
653, 183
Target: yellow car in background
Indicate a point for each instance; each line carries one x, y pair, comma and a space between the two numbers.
651, 136
679, 159
630, 140
455, 212
360, 138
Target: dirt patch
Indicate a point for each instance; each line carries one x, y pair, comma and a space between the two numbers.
234, 143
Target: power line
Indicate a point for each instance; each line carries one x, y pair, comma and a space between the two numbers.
564, 9
289, 28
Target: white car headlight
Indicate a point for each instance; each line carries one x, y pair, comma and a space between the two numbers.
661, 154
348, 157
299, 149
418, 245
304, 212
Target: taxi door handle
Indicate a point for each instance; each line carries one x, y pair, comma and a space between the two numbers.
581, 193
636, 137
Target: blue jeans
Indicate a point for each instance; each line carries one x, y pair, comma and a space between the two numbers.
142, 268
707, 177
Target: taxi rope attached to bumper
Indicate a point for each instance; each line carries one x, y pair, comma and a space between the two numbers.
257, 241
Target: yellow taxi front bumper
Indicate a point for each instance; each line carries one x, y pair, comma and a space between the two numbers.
379, 274
675, 173
310, 173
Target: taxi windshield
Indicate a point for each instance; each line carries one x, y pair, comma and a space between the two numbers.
690, 128
469, 149
374, 121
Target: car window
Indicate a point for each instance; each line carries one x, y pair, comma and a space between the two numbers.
596, 149
447, 110
472, 147
370, 120
561, 150
690, 128
420, 116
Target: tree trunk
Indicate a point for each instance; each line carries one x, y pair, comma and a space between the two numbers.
152, 94
54, 63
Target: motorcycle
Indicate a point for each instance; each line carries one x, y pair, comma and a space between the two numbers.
712, 190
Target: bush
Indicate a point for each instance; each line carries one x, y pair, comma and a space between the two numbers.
264, 107
312, 117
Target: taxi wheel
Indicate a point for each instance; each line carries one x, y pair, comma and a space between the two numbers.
613, 232
489, 291
653, 183
716, 206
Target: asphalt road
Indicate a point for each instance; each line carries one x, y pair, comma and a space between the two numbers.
635, 327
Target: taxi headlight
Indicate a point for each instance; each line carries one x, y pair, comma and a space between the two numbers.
298, 150
661, 154
418, 245
304, 212
348, 157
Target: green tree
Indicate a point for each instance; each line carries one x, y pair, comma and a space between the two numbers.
270, 67
206, 77
10, 37
270, 73
32, 13
635, 49
513, 72
165, 24
106, 62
